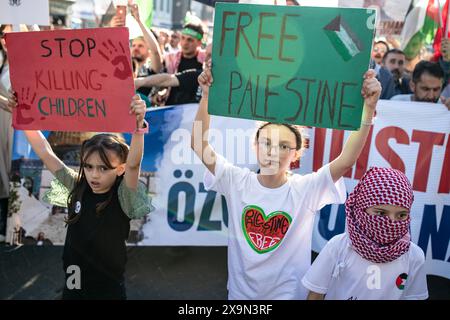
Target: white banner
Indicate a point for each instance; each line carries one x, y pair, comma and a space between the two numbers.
412, 137
185, 213
24, 12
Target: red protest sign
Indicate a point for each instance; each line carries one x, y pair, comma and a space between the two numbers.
72, 80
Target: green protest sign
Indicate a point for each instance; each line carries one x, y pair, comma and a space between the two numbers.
288, 64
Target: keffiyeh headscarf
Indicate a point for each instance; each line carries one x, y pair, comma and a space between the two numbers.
378, 238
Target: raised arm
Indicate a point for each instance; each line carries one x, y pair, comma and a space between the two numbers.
39, 144
133, 166
352, 149
155, 50
158, 80
200, 135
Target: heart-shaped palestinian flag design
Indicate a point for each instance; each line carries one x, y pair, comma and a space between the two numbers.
264, 233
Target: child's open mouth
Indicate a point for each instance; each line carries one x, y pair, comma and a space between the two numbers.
95, 184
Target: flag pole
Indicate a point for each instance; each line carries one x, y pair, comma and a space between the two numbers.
447, 22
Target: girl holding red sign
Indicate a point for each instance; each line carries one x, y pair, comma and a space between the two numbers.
104, 195
271, 214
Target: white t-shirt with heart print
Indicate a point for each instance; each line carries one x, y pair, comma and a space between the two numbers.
270, 230
342, 274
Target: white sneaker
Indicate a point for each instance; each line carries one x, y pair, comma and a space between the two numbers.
2, 238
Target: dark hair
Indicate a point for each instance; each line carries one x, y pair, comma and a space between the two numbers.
100, 143
2, 28
293, 128
432, 68
382, 42
195, 27
393, 51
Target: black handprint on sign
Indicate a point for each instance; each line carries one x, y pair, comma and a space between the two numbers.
24, 106
117, 58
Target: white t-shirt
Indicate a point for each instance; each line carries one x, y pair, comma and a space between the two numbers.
268, 260
342, 274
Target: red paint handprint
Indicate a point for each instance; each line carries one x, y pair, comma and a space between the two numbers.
24, 106
117, 58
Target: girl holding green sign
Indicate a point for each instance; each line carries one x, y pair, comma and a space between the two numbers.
271, 214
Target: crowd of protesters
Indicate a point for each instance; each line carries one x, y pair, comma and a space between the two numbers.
167, 63
423, 79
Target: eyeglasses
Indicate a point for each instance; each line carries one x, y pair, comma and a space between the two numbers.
265, 146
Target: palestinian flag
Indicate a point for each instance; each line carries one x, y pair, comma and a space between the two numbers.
440, 32
421, 24
401, 281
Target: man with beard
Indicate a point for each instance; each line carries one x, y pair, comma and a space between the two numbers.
146, 65
426, 84
394, 61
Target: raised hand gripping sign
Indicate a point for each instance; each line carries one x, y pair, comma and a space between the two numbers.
72, 80
289, 64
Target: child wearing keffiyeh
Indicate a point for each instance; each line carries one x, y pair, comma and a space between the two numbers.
375, 259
